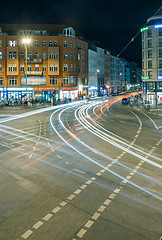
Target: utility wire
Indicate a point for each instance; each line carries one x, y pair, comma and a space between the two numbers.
136, 34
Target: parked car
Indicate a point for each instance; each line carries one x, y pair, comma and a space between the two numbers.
125, 100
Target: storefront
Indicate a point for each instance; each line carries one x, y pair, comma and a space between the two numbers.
16, 93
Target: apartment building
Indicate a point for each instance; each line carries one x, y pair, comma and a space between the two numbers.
53, 60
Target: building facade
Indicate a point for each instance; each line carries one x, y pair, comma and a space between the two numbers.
152, 59
54, 62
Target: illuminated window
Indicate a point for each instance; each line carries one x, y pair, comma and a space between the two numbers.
53, 80
44, 43
29, 68
0, 43
71, 44
43, 55
55, 43
78, 56
50, 43
55, 67
65, 67
50, 55
65, 80
29, 56
65, 44
51, 67
55, 55
10, 67
71, 56
12, 80
14, 68
21, 55
65, 55
21, 68
36, 43
37, 67
71, 67
36, 55
0, 67
44, 68
9, 55
14, 55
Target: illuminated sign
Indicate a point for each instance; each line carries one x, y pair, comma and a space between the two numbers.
158, 26
160, 77
145, 78
33, 80
144, 29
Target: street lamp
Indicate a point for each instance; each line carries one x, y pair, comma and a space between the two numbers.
26, 41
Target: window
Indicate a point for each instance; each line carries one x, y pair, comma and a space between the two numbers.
36, 43
82, 69
29, 68
37, 67
160, 63
78, 68
44, 44
150, 74
29, 56
160, 42
55, 67
12, 43
71, 67
160, 53
14, 55
36, 55
0, 67
0, 55
149, 53
150, 64
71, 56
10, 67
0, 43
1, 80
44, 68
12, 80
149, 43
43, 55
21, 68
14, 68
55, 43
74, 56
160, 32
78, 56
50, 43
65, 44
149, 33
50, 55
82, 57
53, 80
9, 55
74, 45
55, 55
65, 67
71, 45
21, 55
65, 55
65, 80
74, 68
51, 67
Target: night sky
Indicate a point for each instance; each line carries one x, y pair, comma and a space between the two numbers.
111, 23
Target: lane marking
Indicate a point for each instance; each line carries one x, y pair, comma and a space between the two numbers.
47, 217
55, 210
112, 195
101, 208
77, 191
27, 234
76, 170
107, 202
96, 215
83, 186
63, 203
38, 225
81, 233
89, 224
71, 197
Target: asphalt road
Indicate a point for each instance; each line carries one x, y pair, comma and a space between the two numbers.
86, 170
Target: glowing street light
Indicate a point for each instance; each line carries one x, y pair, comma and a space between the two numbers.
26, 41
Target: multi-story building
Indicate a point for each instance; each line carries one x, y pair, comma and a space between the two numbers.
152, 59
107, 71
92, 66
57, 61
115, 74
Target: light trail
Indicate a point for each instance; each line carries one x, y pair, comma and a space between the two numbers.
100, 134
96, 163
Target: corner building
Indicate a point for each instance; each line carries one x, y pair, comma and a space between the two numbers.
57, 62
152, 60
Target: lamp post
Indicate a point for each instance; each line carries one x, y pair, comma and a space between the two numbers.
26, 41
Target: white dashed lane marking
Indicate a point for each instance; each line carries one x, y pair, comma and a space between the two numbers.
55, 210
38, 225
47, 217
27, 234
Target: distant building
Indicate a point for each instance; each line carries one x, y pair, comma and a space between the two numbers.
57, 60
152, 59
92, 66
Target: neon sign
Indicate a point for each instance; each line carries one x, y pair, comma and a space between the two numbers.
158, 26
144, 29
145, 78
